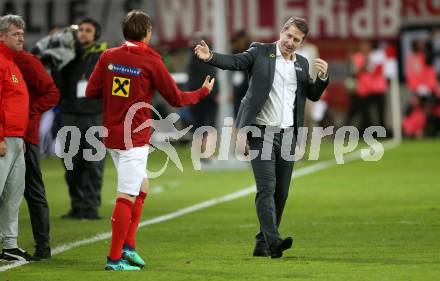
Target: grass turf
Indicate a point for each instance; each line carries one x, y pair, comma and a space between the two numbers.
360, 221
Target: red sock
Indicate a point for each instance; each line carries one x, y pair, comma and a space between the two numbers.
121, 220
135, 218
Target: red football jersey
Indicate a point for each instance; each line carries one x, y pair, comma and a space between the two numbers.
127, 75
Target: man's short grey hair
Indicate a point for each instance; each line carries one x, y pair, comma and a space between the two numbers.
300, 23
8, 20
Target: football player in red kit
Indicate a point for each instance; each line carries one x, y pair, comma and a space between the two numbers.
124, 77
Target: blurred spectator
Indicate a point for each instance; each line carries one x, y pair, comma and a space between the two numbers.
420, 75
421, 80
239, 43
43, 95
378, 85
85, 179
433, 53
203, 113
433, 49
359, 87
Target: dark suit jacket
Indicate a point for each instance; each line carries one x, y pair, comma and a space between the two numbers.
259, 62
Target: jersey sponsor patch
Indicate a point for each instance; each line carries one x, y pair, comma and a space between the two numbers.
121, 87
123, 69
14, 79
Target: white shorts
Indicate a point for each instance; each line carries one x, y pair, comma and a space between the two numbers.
131, 168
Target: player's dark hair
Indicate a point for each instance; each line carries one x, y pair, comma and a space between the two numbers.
135, 25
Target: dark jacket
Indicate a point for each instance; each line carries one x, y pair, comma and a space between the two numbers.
43, 93
80, 68
259, 62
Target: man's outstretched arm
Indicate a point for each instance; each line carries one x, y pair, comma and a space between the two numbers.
241, 61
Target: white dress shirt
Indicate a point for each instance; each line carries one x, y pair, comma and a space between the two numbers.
278, 109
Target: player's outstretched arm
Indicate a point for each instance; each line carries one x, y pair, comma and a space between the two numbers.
167, 87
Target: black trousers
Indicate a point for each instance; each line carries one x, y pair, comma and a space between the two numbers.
272, 175
359, 106
85, 179
376, 103
35, 195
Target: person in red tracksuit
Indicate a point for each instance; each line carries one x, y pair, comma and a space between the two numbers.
378, 86
43, 95
359, 98
124, 77
14, 111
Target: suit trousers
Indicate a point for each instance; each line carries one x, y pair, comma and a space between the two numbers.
35, 195
272, 173
12, 175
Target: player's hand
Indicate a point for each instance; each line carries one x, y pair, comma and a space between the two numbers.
202, 51
322, 66
209, 83
3, 148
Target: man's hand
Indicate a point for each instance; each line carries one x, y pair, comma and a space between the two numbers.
322, 66
3, 148
202, 51
209, 83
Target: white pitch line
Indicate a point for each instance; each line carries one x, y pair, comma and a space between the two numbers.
352, 156
355, 155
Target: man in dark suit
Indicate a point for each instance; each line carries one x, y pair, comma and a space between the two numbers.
279, 84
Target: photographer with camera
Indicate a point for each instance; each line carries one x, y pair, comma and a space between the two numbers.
85, 179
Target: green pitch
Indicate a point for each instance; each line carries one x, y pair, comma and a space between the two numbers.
359, 221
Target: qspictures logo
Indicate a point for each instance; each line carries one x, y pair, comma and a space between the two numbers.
293, 145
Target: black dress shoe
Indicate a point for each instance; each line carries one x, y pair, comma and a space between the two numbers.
40, 256
41, 253
72, 215
91, 216
260, 250
276, 250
